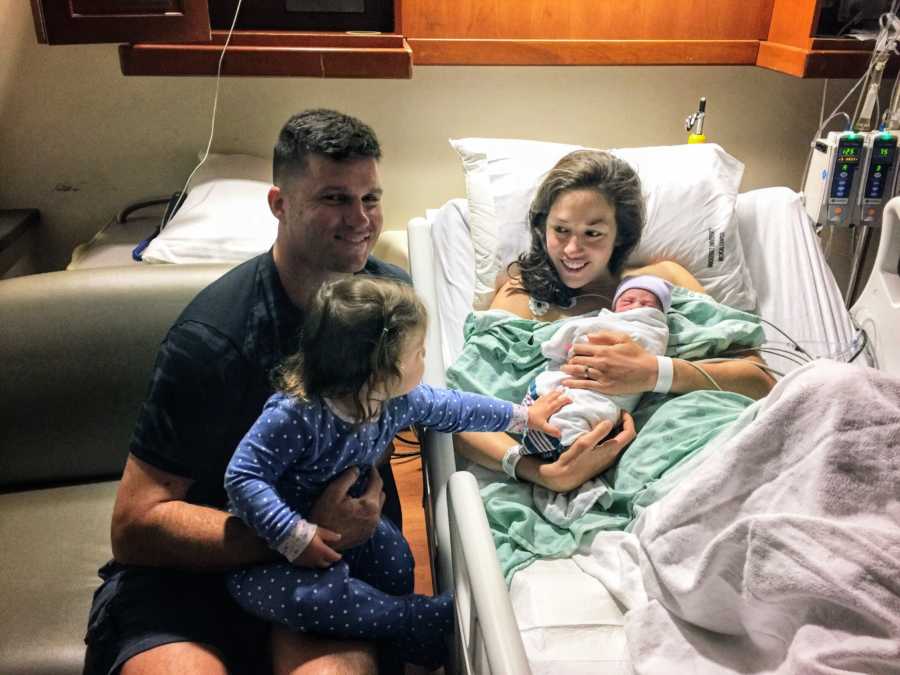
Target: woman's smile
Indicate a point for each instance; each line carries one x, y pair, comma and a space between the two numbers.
581, 234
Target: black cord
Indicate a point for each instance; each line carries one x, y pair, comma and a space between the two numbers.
415, 441
865, 341
122, 216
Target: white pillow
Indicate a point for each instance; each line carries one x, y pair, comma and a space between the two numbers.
690, 193
225, 217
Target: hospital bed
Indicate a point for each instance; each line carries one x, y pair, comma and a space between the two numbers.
555, 618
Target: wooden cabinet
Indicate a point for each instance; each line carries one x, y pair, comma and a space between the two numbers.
585, 32
85, 21
185, 37
380, 38
799, 42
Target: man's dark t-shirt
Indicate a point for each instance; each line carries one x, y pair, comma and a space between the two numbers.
213, 375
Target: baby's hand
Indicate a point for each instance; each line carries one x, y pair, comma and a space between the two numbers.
540, 411
318, 553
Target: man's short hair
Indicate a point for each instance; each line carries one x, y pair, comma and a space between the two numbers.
321, 132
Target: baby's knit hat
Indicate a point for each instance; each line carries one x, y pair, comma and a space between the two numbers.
661, 288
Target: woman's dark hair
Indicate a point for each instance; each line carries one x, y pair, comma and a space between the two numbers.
609, 176
353, 340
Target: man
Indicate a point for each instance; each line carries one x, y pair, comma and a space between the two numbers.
163, 607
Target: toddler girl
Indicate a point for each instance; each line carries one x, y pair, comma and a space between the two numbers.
354, 383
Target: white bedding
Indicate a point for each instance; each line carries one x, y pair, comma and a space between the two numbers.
582, 630
112, 245
778, 550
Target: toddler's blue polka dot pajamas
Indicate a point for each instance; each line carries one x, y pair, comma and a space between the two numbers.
284, 462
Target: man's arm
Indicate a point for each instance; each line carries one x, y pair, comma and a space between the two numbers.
153, 525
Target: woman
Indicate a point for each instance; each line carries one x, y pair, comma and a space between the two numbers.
585, 220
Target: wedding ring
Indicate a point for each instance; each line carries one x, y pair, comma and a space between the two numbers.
587, 372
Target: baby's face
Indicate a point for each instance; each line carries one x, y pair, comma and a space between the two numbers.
636, 297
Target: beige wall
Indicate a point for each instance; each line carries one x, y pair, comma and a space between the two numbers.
78, 140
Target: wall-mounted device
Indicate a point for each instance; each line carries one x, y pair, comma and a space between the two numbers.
876, 185
694, 123
832, 181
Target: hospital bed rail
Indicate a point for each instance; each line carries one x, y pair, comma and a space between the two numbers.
487, 635
484, 612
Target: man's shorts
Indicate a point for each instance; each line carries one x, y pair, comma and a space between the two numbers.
139, 608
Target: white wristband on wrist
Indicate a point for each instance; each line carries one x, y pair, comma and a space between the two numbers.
664, 375
510, 459
293, 545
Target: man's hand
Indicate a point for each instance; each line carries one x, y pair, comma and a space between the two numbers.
353, 518
319, 551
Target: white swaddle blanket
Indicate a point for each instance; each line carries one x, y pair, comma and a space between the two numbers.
646, 326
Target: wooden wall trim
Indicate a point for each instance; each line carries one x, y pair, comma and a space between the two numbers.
800, 62
433, 52
263, 61
783, 58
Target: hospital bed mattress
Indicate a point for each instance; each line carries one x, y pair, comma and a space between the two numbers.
569, 621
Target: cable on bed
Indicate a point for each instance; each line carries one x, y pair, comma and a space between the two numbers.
862, 346
790, 339
776, 351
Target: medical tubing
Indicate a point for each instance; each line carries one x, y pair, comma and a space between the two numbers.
703, 372
885, 44
212, 126
862, 346
783, 352
812, 145
761, 366
790, 339
775, 351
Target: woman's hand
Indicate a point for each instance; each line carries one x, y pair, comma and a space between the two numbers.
587, 457
319, 553
611, 363
543, 408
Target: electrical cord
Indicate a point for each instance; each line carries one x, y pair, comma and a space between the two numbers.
414, 441
761, 366
790, 339
709, 377
212, 126
122, 216
775, 351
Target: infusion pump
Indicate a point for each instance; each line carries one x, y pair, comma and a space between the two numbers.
851, 176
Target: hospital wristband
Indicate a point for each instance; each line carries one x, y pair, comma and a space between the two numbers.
293, 545
665, 372
510, 459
